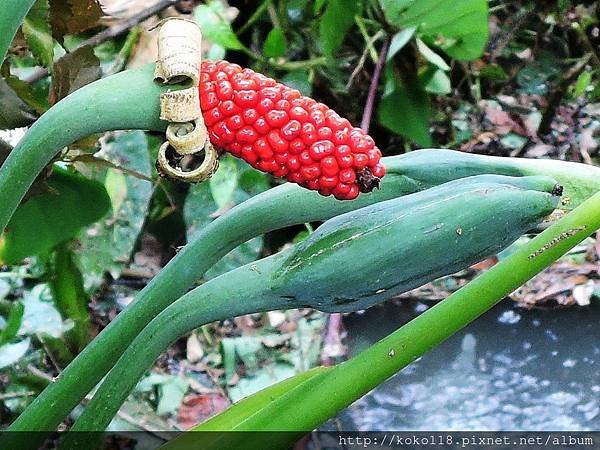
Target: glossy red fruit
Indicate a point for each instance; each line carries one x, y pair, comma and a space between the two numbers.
276, 129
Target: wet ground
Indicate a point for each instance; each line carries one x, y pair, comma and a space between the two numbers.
512, 369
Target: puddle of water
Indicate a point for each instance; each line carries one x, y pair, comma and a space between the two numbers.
510, 370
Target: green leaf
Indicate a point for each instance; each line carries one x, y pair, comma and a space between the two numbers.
14, 112
406, 111
41, 317
201, 208
493, 72
224, 183
11, 353
53, 217
337, 19
298, 79
435, 81
583, 81
214, 26
69, 296
108, 244
460, 27
540, 75
432, 56
37, 33
171, 394
13, 323
399, 41
234, 415
271, 357
275, 44
116, 186
34, 99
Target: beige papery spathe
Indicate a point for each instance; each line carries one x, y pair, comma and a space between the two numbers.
179, 59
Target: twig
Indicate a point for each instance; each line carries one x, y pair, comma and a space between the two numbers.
498, 44
10, 395
368, 111
332, 343
113, 32
363, 58
258, 12
557, 95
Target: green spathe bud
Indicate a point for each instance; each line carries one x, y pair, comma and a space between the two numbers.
361, 258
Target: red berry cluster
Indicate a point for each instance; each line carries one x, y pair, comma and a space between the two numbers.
278, 130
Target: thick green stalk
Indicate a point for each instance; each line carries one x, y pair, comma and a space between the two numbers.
430, 167
11, 16
311, 403
128, 100
388, 237
242, 291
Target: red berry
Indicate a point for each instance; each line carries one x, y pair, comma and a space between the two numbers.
329, 166
321, 149
246, 135
309, 133
328, 182
235, 122
279, 144
305, 158
228, 108
360, 160
291, 129
297, 146
209, 100
378, 170
262, 148
324, 133
313, 185
262, 126
277, 118
250, 116
245, 99
265, 105
347, 176
293, 163
224, 90
311, 172
298, 113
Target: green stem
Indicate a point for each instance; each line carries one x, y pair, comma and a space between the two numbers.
128, 100
12, 15
256, 282
242, 291
258, 12
310, 404
262, 213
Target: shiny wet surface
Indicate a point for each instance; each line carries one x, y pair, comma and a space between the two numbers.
512, 369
